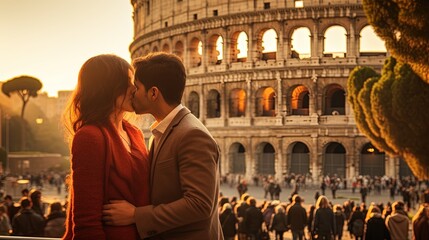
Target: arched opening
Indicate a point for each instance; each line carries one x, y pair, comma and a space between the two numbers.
216, 49
213, 104
300, 101
195, 52
299, 161
404, 169
269, 44
265, 102
179, 49
372, 161
155, 49
237, 159
370, 44
335, 100
265, 163
334, 160
166, 48
335, 44
194, 103
237, 103
239, 47
301, 43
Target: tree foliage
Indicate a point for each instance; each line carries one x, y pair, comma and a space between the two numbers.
25, 86
404, 26
391, 111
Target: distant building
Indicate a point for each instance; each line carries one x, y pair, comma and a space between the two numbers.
63, 98
269, 80
48, 105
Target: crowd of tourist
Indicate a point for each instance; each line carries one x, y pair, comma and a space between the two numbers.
27, 217
26, 214
242, 218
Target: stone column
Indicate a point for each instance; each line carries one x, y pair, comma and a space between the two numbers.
202, 106
249, 98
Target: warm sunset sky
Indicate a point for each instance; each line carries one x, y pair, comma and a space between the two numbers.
51, 39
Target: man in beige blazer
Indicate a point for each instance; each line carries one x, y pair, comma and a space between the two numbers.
184, 176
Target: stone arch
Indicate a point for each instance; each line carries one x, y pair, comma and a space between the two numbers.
237, 103
404, 169
155, 49
335, 41
265, 159
213, 104
334, 160
372, 161
166, 48
215, 49
268, 44
299, 100
237, 158
194, 103
370, 44
300, 43
179, 49
265, 102
334, 100
239, 46
298, 158
195, 52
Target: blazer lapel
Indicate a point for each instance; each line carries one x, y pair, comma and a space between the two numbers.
153, 155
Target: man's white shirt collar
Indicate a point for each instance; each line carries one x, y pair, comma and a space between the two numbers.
158, 128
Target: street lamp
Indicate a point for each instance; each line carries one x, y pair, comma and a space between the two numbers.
39, 120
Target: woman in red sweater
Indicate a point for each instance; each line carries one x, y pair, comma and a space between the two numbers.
109, 159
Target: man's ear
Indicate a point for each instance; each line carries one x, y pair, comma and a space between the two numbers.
154, 93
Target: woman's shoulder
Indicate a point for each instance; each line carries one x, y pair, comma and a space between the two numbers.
88, 132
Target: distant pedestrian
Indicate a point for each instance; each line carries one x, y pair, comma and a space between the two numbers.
242, 188
228, 221
340, 218
55, 222
356, 223
252, 220
398, 222
297, 218
324, 224
375, 228
363, 193
279, 223
5, 226
27, 222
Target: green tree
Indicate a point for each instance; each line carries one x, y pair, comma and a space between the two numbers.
391, 111
25, 86
404, 26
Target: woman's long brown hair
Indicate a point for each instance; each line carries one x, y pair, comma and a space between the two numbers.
102, 79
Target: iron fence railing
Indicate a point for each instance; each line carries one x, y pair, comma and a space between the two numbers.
26, 238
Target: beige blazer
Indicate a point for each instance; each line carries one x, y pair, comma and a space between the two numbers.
184, 182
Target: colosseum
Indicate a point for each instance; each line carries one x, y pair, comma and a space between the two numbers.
269, 80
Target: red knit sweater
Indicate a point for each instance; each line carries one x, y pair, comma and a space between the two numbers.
103, 170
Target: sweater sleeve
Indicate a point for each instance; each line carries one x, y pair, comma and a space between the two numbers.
88, 160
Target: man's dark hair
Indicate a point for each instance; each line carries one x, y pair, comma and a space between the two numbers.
8, 197
25, 202
164, 71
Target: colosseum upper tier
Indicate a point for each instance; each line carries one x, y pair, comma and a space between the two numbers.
269, 80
